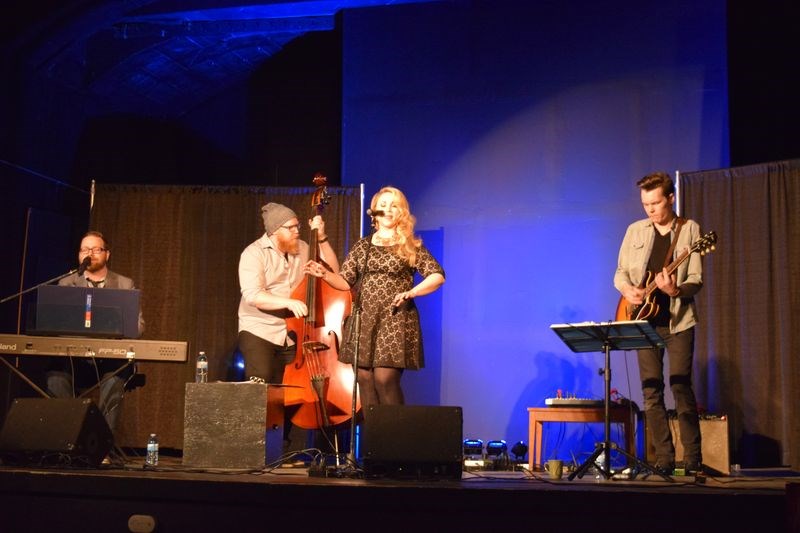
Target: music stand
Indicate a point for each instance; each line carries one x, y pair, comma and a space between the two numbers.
604, 337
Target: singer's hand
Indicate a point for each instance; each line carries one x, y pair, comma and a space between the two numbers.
315, 269
402, 297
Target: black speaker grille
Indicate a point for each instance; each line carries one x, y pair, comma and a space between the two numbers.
55, 431
412, 441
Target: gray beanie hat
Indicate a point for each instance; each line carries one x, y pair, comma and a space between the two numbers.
275, 216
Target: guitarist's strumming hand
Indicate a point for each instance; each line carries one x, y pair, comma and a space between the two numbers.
634, 295
667, 284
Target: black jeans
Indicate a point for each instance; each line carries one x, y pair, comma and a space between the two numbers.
680, 347
265, 360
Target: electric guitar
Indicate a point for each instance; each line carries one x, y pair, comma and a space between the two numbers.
649, 307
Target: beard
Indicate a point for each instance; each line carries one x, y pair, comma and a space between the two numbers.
95, 266
290, 245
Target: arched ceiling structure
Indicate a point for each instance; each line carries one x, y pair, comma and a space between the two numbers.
163, 57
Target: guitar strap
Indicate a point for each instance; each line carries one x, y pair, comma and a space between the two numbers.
679, 222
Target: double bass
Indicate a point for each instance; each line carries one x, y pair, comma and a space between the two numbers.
322, 385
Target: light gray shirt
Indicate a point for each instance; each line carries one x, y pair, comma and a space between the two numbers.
637, 245
262, 267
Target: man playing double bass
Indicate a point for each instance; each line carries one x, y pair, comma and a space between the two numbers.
269, 269
647, 248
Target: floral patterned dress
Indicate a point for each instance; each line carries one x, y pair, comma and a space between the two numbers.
390, 336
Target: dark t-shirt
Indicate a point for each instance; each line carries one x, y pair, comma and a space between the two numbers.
654, 265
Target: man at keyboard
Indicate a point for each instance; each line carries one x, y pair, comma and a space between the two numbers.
67, 373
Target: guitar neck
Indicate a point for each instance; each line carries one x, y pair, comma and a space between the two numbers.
672, 267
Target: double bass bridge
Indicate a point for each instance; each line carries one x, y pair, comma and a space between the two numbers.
311, 353
314, 346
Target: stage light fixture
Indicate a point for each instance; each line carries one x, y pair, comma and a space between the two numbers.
473, 447
496, 447
519, 450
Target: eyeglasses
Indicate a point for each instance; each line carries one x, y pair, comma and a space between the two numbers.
293, 227
94, 251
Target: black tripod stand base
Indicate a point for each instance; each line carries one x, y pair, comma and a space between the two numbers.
588, 463
635, 464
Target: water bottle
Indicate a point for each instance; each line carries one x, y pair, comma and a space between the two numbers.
201, 375
151, 459
600, 465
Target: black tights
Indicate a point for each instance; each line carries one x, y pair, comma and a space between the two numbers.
380, 385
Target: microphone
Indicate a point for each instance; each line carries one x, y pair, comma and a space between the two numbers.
375, 213
84, 265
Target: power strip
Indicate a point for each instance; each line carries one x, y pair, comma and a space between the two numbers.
574, 402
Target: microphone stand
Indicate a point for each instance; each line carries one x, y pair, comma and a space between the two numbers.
48, 282
354, 334
14, 369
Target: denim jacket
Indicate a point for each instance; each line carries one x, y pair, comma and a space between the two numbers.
632, 267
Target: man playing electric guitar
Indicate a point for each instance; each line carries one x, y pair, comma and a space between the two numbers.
648, 247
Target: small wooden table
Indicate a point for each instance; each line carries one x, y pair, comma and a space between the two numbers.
538, 415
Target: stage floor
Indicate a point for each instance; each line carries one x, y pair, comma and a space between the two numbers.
123, 497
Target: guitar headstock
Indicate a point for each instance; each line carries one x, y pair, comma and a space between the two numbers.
320, 198
706, 243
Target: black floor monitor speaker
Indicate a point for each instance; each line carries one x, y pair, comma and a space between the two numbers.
412, 441
50, 431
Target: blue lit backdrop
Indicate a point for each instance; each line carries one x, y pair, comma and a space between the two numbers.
517, 135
